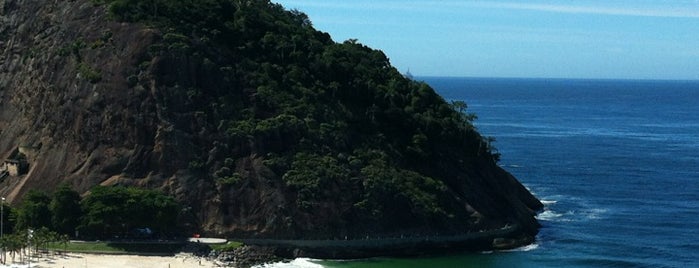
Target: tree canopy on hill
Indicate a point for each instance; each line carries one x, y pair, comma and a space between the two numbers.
334, 121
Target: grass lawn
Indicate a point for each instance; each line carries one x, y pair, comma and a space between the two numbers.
85, 247
118, 247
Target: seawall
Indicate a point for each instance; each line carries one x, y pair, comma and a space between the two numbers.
507, 237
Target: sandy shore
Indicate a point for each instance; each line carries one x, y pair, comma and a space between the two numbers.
74, 260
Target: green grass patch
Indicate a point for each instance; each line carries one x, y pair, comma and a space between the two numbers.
110, 247
86, 247
230, 246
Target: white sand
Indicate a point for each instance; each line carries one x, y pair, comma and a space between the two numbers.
73, 260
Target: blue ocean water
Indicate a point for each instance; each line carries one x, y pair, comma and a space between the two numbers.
615, 161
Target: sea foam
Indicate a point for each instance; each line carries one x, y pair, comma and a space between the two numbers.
296, 263
549, 215
548, 202
529, 247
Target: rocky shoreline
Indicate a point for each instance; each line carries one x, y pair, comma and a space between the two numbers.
245, 256
261, 251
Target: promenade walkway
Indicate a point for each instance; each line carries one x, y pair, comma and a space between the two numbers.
340, 247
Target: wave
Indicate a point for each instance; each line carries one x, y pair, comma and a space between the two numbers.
549, 215
594, 213
571, 215
549, 202
296, 263
526, 248
654, 131
681, 125
604, 262
673, 138
568, 209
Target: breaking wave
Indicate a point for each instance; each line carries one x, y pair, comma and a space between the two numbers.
296, 263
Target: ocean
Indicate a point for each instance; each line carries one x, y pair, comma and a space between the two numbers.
616, 163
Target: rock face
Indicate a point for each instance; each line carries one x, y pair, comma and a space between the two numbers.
91, 100
77, 129
64, 94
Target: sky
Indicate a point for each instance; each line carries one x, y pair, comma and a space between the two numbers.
617, 39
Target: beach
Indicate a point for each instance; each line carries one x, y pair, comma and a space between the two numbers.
80, 260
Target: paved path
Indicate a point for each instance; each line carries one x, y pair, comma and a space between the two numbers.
207, 240
478, 240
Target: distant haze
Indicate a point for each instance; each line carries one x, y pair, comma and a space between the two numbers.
559, 39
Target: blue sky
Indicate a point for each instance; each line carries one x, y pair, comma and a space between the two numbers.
559, 39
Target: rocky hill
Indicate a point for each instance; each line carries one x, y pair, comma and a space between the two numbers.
259, 124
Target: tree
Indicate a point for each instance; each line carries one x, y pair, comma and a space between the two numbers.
459, 106
34, 211
15, 243
65, 210
104, 211
41, 238
9, 218
154, 210
64, 240
110, 211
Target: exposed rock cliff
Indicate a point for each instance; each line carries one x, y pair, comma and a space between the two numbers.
260, 125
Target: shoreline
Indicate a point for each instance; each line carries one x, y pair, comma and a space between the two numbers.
262, 251
508, 237
74, 260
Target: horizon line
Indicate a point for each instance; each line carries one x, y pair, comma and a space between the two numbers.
684, 11
416, 77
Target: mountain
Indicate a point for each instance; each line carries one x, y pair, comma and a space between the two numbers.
260, 125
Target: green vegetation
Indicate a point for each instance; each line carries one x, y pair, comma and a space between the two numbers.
88, 73
47, 222
110, 247
34, 211
23, 242
75, 49
65, 210
335, 122
119, 211
107, 212
129, 247
85, 247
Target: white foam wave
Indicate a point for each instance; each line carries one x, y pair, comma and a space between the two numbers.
296, 263
548, 202
548, 215
573, 215
529, 247
530, 190
595, 213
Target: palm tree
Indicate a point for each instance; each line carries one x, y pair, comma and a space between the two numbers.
64, 239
